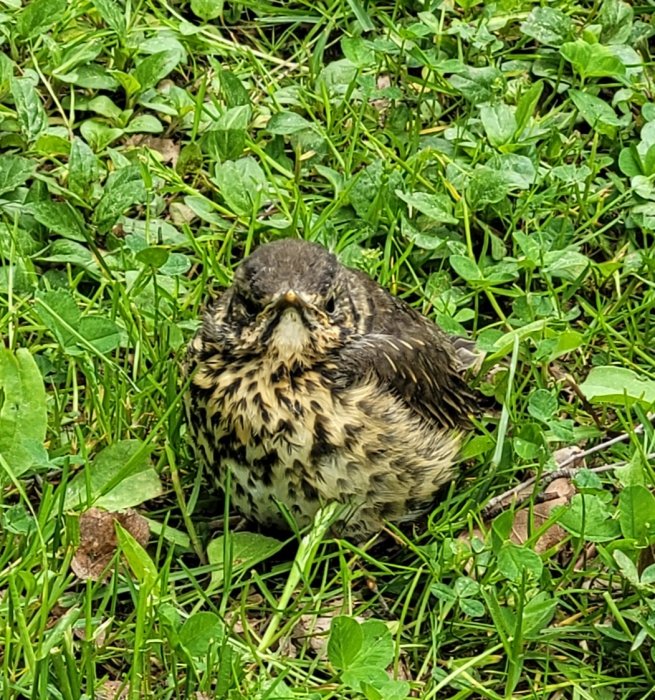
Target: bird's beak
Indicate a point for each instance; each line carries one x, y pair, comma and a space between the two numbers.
290, 298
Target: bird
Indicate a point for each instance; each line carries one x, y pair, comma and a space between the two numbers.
309, 383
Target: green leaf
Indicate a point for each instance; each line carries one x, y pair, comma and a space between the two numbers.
71, 253
98, 134
542, 405
361, 652
247, 549
499, 123
234, 92
547, 25
588, 517
60, 314
237, 118
513, 561
150, 70
592, 60
472, 608
83, 168
443, 592
154, 256
242, 184
616, 385
32, 117
38, 16
112, 14
358, 51
23, 413
626, 567
566, 264
477, 84
60, 218
90, 77
200, 632
537, 614
142, 566
144, 124
637, 514
616, 20
14, 171
596, 112
466, 268
527, 105
207, 9
124, 189
365, 22
102, 333
16, 519
345, 642
372, 185
205, 210
285, 123
177, 264
515, 171
120, 477
487, 186
438, 207
385, 688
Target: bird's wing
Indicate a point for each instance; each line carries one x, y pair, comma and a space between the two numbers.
425, 376
413, 357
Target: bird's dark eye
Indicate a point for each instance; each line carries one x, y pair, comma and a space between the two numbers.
249, 306
330, 305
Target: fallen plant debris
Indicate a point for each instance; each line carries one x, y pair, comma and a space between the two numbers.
98, 543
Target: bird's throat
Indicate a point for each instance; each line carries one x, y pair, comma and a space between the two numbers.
290, 338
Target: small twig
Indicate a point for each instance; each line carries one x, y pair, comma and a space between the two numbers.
491, 510
499, 502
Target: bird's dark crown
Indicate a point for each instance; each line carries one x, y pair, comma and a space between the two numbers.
287, 265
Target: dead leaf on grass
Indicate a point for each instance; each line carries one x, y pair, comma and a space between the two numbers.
181, 214
314, 629
98, 540
557, 493
168, 150
113, 690
572, 456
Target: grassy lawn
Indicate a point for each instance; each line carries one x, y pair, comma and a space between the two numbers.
494, 165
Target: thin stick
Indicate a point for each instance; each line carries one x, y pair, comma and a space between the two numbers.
498, 502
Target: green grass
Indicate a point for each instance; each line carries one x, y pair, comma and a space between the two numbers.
494, 165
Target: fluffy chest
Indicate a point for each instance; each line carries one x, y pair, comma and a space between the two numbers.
287, 436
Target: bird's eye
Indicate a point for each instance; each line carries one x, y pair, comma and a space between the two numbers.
249, 306
330, 305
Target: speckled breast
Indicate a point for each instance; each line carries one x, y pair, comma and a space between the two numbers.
288, 437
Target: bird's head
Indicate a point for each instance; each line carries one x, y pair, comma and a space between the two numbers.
291, 299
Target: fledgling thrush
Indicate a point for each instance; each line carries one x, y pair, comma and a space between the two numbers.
311, 383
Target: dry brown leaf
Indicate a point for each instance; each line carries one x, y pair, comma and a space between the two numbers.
572, 456
98, 635
382, 104
98, 540
168, 149
113, 690
314, 629
181, 214
558, 493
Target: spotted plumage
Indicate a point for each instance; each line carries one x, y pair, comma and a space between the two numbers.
311, 383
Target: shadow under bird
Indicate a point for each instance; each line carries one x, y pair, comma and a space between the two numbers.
312, 384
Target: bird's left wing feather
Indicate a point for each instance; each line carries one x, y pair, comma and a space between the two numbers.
427, 377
